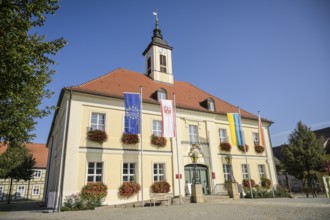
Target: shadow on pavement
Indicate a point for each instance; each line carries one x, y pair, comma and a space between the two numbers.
22, 206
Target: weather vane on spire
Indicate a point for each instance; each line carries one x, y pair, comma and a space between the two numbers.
155, 13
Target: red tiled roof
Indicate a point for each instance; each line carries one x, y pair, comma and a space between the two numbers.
39, 151
188, 96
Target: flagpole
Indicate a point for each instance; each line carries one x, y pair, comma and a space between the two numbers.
177, 151
244, 148
267, 161
140, 127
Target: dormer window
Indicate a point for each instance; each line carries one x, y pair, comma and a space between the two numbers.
210, 104
162, 63
161, 94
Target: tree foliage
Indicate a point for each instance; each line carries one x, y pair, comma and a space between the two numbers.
303, 153
24, 66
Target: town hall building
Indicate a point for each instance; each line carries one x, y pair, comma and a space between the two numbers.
201, 120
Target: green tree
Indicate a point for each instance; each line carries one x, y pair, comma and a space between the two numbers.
303, 153
24, 66
16, 163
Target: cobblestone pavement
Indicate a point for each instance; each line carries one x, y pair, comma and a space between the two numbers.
279, 208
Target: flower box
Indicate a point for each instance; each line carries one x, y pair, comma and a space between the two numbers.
98, 136
259, 149
225, 146
129, 189
160, 187
241, 148
158, 141
130, 138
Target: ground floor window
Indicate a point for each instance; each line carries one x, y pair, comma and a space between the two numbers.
226, 171
129, 172
262, 173
159, 172
95, 170
20, 193
245, 171
36, 190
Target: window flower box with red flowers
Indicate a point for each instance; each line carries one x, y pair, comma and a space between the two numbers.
243, 149
130, 138
246, 183
98, 136
259, 149
129, 189
225, 146
158, 141
160, 187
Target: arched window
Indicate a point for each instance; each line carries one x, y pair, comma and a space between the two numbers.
161, 94
210, 104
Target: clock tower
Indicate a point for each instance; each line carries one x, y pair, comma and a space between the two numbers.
158, 57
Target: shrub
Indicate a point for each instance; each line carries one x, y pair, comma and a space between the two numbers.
241, 148
266, 183
259, 149
73, 202
160, 187
281, 192
130, 138
225, 146
94, 194
158, 141
129, 189
246, 183
98, 136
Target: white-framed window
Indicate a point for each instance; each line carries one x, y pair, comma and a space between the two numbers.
223, 135
159, 172
226, 171
129, 172
37, 174
157, 128
255, 138
98, 121
162, 61
161, 94
193, 133
95, 171
20, 192
36, 190
262, 173
1, 191
245, 171
210, 104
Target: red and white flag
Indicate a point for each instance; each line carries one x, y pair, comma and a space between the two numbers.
167, 109
261, 132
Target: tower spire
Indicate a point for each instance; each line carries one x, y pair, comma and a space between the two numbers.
155, 13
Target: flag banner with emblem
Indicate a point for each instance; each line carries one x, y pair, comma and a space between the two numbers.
261, 133
168, 120
235, 129
132, 113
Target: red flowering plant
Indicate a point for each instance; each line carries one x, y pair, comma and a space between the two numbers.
259, 149
98, 136
94, 194
129, 189
158, 141
243, 149
160, 187
225, 146
266, 183
246, 183
130, 138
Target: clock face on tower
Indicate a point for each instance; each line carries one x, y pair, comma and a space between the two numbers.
162, 51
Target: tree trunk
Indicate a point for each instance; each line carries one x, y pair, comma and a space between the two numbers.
9, 193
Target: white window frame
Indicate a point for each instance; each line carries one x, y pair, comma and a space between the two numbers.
36, 190
97, 125
161, 94
255, 136
245, 171
19, 189
210, 105
95, 175
226, 171
37, 174
157, 127
262, 171
162, 63
157, 175
223, 135
193, 133
129, 176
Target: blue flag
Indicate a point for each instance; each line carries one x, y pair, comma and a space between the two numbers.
132, 113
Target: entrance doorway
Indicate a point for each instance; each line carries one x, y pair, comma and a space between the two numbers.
201, 176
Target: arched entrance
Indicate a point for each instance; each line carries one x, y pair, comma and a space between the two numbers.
201, 176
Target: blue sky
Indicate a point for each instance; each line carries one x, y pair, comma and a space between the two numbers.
261, 55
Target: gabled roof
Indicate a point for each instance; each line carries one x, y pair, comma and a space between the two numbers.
115, 83
39, 152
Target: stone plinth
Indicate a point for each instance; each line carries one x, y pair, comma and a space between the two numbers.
232, 189
197, 193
